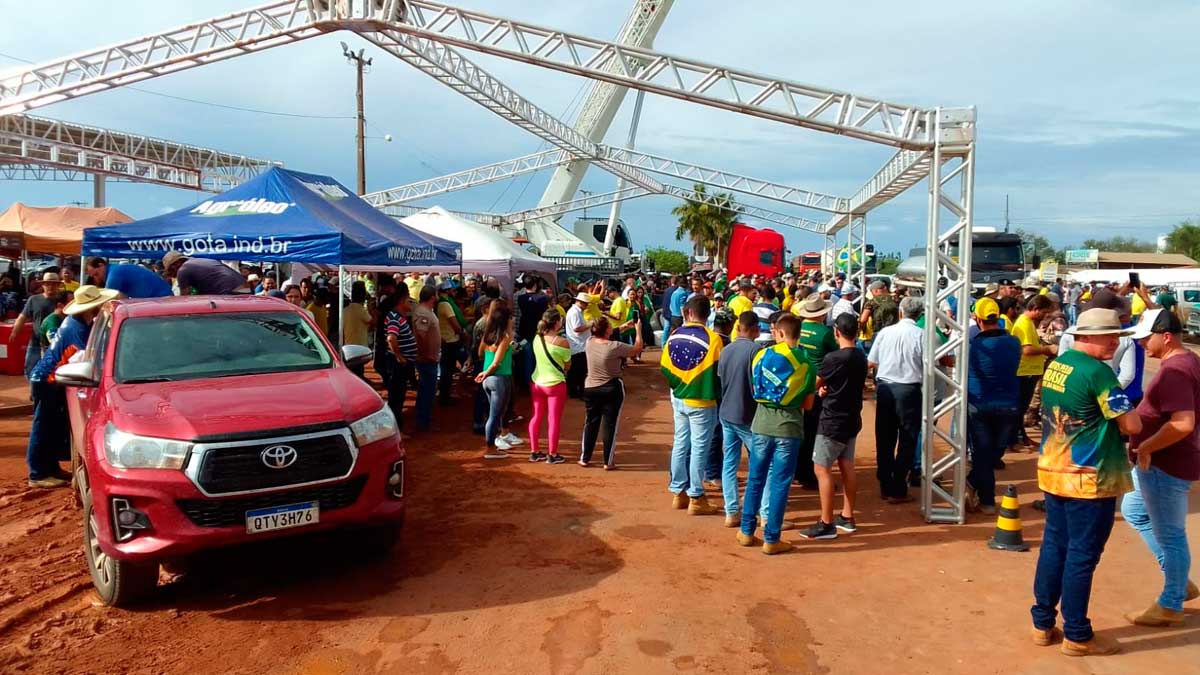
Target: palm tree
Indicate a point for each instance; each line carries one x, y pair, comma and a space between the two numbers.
1185, 239
708, 225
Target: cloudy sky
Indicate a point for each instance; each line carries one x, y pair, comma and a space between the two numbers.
1089, 112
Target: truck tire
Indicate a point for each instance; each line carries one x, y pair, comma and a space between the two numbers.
379, 541
118, 583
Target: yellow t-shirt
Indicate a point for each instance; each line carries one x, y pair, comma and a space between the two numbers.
70, 286
447, 321
414, 288
1137, 305
593, 309
1024, 330
619, 308
740, 304
357, 319
320, 316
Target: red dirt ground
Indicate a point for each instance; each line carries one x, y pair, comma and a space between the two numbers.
518, 567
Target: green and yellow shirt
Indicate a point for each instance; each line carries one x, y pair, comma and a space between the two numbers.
817, 340
1082, 453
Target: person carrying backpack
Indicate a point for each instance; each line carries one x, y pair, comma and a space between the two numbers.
782, 381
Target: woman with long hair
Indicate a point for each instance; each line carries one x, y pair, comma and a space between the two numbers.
496, 351
603, 391
358, 321
645, 310
552, 357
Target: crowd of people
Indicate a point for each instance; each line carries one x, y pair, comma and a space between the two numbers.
777, 366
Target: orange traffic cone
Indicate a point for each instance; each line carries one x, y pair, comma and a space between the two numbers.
1008, 524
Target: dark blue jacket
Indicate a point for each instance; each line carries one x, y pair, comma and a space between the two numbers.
992, 379
666, 302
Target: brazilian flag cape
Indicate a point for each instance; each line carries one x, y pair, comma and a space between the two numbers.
689, 361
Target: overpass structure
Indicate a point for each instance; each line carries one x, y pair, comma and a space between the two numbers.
37, 148
933, 145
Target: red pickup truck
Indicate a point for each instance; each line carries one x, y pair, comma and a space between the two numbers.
205, 421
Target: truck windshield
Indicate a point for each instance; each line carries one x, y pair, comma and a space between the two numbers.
987, 256
163, 349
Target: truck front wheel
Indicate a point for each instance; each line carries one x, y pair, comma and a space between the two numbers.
119, 583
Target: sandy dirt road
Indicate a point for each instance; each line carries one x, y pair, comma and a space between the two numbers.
530, 568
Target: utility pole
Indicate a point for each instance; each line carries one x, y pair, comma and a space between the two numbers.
360, 63
1006, 214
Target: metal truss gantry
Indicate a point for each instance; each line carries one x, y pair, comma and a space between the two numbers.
938, 143
72, 149
489, 173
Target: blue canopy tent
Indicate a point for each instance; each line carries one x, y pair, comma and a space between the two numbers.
279, 216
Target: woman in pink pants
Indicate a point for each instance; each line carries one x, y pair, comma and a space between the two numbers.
552, 357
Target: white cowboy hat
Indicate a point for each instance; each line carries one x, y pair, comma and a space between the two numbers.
89, 297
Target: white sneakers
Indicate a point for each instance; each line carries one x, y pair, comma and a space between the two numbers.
507, 442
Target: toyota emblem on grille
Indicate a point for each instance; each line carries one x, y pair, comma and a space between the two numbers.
279, 456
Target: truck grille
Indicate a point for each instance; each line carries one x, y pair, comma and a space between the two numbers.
230, 512
242, 468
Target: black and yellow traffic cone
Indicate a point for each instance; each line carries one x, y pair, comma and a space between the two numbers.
1008, 524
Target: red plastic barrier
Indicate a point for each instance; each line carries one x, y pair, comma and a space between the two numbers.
12, 354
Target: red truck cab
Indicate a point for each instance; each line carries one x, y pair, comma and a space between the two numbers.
205, 421
755, 252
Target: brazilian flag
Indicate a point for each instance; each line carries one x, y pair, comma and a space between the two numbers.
689, 361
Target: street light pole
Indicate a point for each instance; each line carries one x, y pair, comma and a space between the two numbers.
360, 63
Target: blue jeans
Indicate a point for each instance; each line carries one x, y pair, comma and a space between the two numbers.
1157, 509
689, 453
716, 455
772, 468
49, 435
736, 435
988, 431
33, 354
1075, 535
498, 389
1072, 314
426, 392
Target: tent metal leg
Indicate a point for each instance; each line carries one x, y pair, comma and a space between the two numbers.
341, 309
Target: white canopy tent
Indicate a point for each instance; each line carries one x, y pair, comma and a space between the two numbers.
484, 250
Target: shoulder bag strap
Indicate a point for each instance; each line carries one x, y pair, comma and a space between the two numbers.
553, 362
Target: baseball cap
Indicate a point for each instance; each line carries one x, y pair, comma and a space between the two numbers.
849, 289
1156, 321
841, 275
987, 309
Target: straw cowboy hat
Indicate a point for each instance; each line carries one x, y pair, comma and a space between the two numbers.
89, 297
814, 306
1098, 322
51, 278
583, 297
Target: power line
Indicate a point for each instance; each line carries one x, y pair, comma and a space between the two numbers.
210, 103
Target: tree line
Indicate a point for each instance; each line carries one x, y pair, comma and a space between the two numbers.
1184, 238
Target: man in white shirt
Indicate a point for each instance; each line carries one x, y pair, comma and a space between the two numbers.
898, 356
845, 304
578, 331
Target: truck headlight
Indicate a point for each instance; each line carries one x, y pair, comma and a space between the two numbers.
129, 451
375, 427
